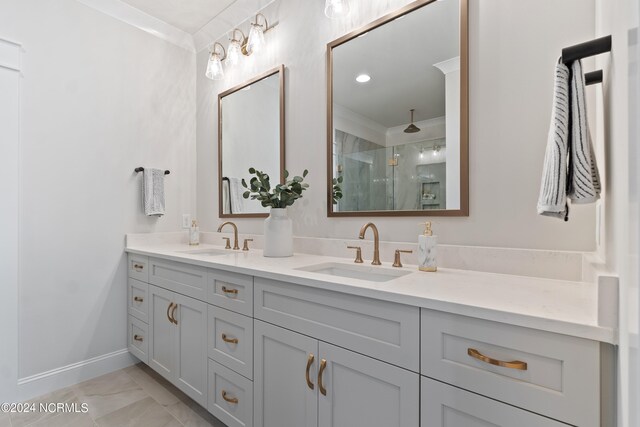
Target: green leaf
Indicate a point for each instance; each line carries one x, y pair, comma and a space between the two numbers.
305, 173
252, 170
286, 174
246, 194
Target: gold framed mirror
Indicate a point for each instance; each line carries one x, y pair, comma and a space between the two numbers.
398, 114
251, 133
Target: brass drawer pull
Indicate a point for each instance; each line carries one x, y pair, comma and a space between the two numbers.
225, 338
229, 399
310, 360
169, 315
229, 291
138, 267
323, 365
138, 338
515, 364
173, 314
138, 299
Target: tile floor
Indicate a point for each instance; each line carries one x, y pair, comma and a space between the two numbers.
133, 397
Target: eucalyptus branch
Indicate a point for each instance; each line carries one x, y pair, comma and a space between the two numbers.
280, 196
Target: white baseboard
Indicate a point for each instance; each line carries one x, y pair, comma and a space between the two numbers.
55, 379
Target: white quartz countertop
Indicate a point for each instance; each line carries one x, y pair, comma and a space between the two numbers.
559, 306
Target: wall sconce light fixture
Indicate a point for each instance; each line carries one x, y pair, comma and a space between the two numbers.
239, 45
336, 8
235, 47
215, 71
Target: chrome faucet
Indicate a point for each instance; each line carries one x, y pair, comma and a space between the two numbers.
235, 234
376, 241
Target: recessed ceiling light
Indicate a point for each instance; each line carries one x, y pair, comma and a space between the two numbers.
363, 78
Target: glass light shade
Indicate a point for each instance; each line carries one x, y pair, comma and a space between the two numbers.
233, 52
256, 38
214, 68
336, 8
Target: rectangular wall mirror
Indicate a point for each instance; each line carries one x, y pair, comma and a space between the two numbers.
397, 114
250, 134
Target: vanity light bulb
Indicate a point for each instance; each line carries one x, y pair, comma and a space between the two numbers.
336, 8
256, 38
233, 53
214, 68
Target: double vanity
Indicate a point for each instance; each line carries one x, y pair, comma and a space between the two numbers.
321, 341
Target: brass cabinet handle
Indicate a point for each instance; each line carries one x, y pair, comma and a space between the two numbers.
138, 267
173, 314
515, 364
229, 399
310, 360
138, 299
138, 338
323, 365
168, 315
229, 291
225, 338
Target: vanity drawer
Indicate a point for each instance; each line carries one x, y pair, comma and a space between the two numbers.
186, 279
232, 291
383, 330
137, 336
230, 340
560, 380
230, 396
443, 405
139, 267
138, 305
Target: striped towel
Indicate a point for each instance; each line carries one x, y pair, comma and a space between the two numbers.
153, 192
584, 186
569, 165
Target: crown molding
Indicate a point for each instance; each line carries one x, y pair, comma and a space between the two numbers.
145, 22
232, 17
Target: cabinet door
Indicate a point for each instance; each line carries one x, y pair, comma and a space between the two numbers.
282, 397
364, 392
447, 406
162, 332
191, 344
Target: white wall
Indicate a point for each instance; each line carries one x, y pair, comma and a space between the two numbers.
513, 49
618, 110
9, 214
99, 98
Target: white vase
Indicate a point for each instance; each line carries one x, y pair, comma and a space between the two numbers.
278, 234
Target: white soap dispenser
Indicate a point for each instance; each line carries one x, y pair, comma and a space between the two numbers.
194, 234
427, 242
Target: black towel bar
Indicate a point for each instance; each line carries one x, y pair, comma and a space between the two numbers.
586, 49
141, 169
593, 77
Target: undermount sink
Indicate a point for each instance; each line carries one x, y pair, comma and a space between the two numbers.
209, 252
360, 272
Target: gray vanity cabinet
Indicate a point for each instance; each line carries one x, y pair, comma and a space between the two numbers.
268, 353
447, 406
178, 341
300, 381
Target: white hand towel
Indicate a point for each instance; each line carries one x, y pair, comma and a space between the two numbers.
553, 192
584, 184
226, 201
153, 192
236, 190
